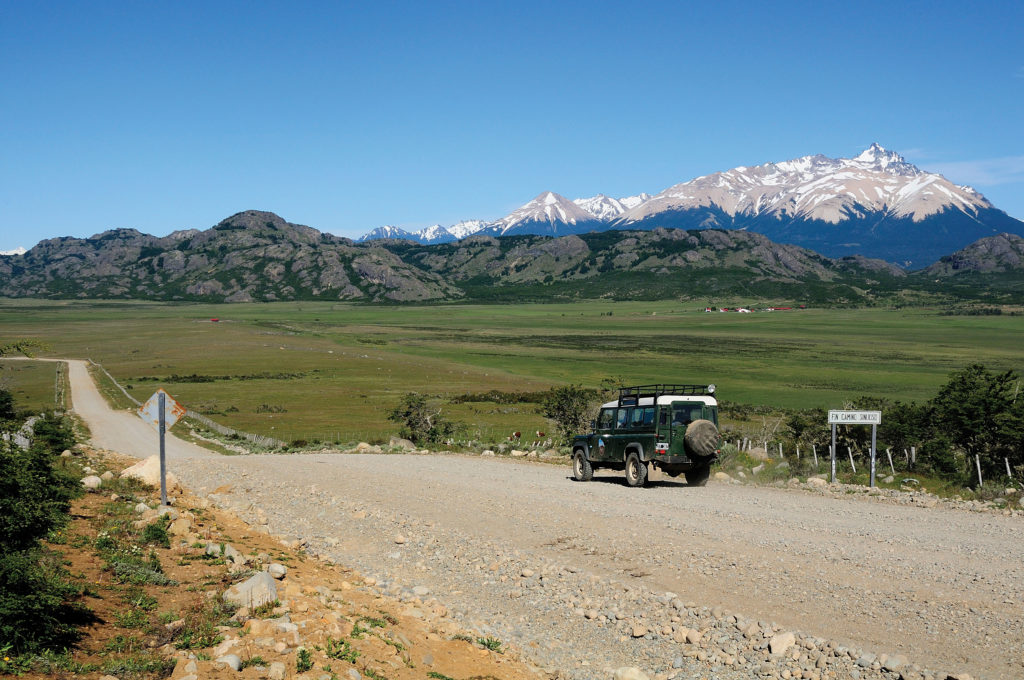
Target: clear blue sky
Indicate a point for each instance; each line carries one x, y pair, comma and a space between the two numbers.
348, 116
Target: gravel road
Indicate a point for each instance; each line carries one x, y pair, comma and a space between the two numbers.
572, 572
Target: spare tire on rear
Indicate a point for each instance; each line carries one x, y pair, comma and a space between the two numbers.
702, 439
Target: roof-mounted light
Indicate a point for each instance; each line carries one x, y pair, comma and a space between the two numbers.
711, 388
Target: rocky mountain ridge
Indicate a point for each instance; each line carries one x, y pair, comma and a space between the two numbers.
258, 256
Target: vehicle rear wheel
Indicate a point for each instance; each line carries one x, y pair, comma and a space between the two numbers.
698, 476
582, 471
636, 470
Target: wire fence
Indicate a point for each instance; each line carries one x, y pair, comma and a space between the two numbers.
257, 439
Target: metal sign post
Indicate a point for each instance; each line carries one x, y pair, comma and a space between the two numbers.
162, 411
874, 432
163, 452
872, 418
833, 452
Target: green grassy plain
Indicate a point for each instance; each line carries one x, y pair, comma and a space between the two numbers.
332, 371
33, 383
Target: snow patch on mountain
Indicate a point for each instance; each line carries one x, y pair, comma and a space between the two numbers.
17, 251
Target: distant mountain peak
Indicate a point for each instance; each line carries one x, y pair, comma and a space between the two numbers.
548, 209
16, 251
878, 158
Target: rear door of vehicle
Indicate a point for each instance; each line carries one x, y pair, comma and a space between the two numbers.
682, 414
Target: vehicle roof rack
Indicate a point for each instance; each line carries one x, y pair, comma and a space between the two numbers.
630, 396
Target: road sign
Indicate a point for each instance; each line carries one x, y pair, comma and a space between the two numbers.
872, 418
854, 417
150, 411
162, 411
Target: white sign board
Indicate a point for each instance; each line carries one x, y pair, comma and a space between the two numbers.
854, 417
150, 411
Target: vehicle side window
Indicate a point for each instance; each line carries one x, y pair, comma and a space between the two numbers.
649, 416
622, 418
663, 420
637, 419
606, 419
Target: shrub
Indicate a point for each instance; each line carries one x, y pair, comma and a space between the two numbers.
569, 407
421, 424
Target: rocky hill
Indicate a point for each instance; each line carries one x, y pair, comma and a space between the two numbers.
1002, 253
258, 256
251, 255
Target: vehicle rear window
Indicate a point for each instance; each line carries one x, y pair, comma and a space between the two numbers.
684, 414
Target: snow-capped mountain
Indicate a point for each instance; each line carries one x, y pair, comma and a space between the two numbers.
874, 204
16, 251
467, 228
606, 208
818, 188
435, 234
387, 231
602, 207
548, 213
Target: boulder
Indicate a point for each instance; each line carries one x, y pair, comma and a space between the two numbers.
630, 673
780, 643
721, 477
405, 444
255, 592
757, 453
91, 482
817, 482
148, 471
278, 571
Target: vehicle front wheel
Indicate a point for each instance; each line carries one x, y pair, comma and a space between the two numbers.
582, 471
636, 470
698, 476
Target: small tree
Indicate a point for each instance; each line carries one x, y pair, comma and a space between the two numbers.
421, 424
6, 405
976, 409
569, 407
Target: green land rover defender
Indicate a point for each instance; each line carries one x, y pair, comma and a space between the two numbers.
671, 427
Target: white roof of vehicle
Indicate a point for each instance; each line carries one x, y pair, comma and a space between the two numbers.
668, 399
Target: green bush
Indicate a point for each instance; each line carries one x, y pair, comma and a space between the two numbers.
6, 405
35, 495
53, 432
37, 610
570, 408
37, 600
421, 423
